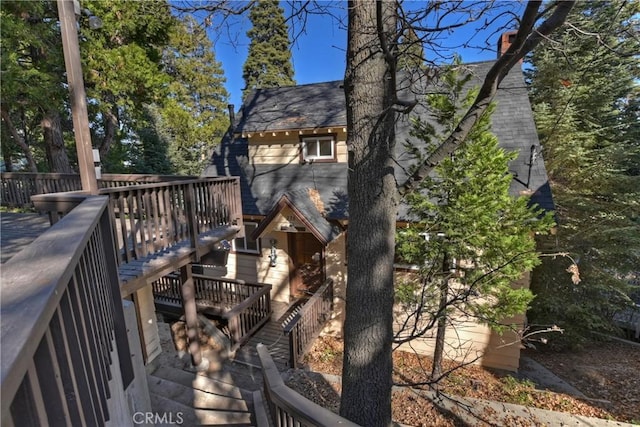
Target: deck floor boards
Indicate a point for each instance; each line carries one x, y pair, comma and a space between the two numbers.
271, 336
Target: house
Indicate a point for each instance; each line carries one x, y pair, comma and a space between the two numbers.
288, 146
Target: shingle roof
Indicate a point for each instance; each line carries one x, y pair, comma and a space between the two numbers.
307, 211
294, 107
323, 105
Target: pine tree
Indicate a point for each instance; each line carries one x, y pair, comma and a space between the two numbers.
122, 69
268, 63
465, 213
33, 96
584, 91
410, 52
194, 115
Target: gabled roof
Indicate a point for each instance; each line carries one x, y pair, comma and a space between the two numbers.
300, 203
323, 105
294, 107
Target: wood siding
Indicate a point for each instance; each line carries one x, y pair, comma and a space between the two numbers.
336, 269
470, 342
282, 148
257, 268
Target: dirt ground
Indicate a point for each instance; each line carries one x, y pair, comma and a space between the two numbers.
608, 373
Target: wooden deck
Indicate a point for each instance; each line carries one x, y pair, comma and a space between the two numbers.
18, 230
272, 337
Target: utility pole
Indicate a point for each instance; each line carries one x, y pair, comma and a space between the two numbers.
71, 49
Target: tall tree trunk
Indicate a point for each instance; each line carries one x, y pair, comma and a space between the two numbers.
8, 158
368, 329
54, 143
19, 140
111, 123
441, 330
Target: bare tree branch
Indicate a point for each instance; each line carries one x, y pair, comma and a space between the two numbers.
526, 39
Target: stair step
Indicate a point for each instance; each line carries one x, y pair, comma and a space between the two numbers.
174, 413
197, 399
200, 382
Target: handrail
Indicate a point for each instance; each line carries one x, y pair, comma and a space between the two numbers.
59, 323
19, 187
147, 218
245, 318
307, 323
288, 407
250, 302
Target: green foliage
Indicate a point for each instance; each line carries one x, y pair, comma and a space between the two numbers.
32, 68
518, 391
122, 74
150, 154
193, 118
268, 63
468, 214
585, 95
122, 67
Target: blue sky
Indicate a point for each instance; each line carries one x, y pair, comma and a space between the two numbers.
319, 52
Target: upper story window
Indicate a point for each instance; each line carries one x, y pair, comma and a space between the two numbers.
246, 243
319, 148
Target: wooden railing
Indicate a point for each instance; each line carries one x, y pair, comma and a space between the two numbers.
18, 187
63, 324
244, 306
288, 408
148, 218
152, 217
247, 317
307, 323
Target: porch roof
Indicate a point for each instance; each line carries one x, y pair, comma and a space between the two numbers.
306, 211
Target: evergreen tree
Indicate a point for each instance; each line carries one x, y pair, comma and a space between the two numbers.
194, 115
122, 69
584, 90
465, 213
33, 96
268, 63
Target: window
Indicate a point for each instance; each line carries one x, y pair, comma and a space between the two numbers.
246, 243
321, 148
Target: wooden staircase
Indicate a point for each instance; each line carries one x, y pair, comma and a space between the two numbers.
199, 400
230, 392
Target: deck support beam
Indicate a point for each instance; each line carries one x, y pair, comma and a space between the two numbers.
190, 313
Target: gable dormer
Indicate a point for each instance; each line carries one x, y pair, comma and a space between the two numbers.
295, 124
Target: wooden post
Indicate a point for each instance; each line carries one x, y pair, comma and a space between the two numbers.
190, 313
192, 221
78, 96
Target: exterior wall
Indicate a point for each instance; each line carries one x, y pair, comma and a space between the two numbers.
470, 342
257, 268
284, 147
284, 218
336, 269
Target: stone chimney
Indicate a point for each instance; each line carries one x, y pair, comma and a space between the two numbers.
505, 40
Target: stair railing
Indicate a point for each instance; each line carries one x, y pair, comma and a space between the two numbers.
63, 327
288, 408
307, 323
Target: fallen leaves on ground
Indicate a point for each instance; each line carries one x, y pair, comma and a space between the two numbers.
608, 372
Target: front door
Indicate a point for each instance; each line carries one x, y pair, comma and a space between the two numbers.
307, 262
